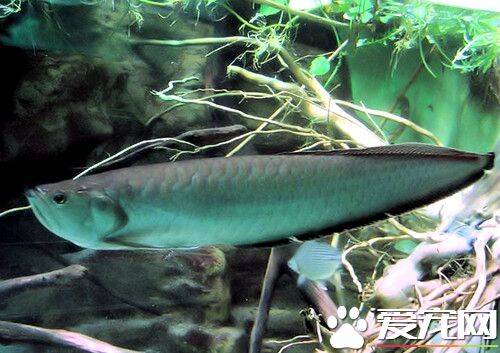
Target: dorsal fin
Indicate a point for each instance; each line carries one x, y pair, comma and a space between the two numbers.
407, 149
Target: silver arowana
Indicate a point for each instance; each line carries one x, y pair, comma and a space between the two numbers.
251, 199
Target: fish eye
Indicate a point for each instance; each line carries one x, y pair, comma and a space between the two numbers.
59, 197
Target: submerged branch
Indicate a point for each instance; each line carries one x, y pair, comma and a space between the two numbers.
437, 298
273, 272
393, 117
303, 14
194, 41
396, 286
60, 277
344, 122
329, 111
316, 112
260, 79
240, 113
368, 243
10, 331
259, 129
130, 149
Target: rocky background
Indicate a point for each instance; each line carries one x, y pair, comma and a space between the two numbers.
71, 96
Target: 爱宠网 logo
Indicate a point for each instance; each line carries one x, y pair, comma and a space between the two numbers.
413, 324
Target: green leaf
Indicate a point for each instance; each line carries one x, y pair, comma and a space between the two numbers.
360, 10
365, 5
341, 6
405, 246
365, 17
266, 10
385, 19
319, 66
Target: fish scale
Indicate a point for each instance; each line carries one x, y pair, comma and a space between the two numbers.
252, 200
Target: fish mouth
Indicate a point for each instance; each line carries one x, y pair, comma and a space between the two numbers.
36, 192
36, 199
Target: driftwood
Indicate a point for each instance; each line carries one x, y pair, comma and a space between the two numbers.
470, 229
14, 332
318, 298
275, 263
60, 277
312, 292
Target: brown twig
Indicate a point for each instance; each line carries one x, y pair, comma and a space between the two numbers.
458, 288
273, 272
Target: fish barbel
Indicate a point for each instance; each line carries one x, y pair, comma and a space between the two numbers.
251, 200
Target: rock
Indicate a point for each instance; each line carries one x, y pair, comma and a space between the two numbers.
162, 279
191, 338
68, 108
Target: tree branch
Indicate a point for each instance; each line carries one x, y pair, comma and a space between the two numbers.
303, 14
10, 331
273, 272
60, 277
393, 117
332, 112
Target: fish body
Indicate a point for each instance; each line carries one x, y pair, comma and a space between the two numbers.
251, 200
315, 260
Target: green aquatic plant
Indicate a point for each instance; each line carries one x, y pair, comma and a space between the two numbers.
473, 36
468, 39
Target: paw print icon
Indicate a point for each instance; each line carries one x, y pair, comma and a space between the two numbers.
347, 335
